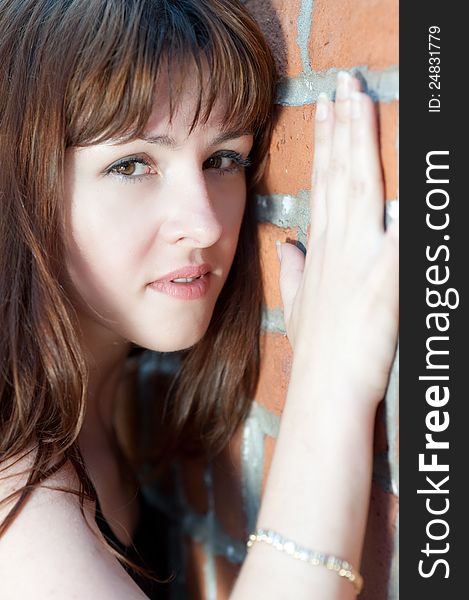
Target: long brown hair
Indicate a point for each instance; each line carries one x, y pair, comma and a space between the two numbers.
73, 73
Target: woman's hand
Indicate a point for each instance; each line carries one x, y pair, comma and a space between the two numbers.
341, 302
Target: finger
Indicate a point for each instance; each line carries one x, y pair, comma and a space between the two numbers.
339, 166
323, 131
366, 189
356, 86
292, 264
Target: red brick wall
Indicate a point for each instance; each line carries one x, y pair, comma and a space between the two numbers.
311, 41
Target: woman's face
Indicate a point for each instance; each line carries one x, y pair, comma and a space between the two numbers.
139, 211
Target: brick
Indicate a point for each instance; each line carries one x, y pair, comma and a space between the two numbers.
379, 544
268, 234
388, 119
269, 447
348, 33
291, 153
194, 486
227, 478
227, 573
276, 359
278, 21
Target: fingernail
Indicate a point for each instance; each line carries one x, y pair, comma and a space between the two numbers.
279, 249
343, 85
322, 107
356, 105
394, 227
392, 209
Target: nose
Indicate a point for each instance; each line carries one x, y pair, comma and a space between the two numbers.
192, 218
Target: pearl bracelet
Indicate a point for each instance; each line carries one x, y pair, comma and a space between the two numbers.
313, 557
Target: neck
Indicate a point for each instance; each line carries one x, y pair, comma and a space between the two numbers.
106, 354
114, 483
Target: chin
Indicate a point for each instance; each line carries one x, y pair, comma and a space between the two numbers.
176, 339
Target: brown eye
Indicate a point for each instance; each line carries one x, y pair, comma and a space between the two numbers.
127, 168
214, 162
132, 169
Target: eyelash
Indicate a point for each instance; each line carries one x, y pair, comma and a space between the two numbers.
240, 161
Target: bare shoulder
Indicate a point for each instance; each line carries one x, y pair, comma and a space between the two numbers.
49, 548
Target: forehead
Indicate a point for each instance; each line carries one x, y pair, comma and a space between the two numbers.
181, 114
176, 112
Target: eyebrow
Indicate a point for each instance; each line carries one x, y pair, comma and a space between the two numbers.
169, 142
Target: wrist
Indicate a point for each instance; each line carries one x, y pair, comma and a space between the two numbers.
338, 372
329, 394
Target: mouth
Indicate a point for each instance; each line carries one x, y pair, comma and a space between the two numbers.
186, 279
186, 274
189, 283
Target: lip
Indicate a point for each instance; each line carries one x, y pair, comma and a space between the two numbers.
184, 291
187, 272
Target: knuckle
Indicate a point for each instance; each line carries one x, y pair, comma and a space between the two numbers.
360, 133
359, 188
321, 136
342, 114
337, 167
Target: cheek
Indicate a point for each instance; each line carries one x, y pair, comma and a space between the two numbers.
111, 224
231, 204
103, 247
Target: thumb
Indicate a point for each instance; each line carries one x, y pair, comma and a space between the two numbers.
292, 264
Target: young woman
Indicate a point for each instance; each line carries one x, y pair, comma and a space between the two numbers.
132, 133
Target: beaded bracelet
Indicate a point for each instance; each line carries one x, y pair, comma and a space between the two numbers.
313, 557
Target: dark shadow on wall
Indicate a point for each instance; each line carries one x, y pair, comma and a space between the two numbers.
379, 544
266, 16
380, 534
